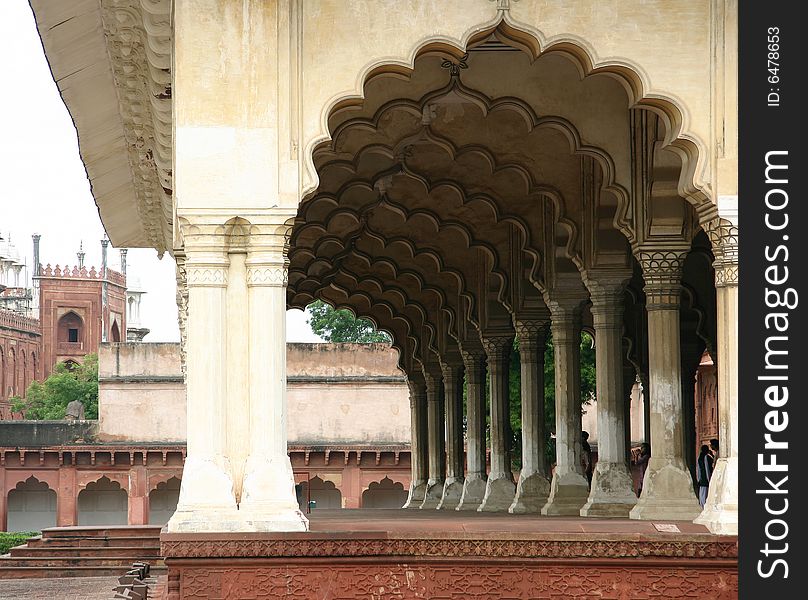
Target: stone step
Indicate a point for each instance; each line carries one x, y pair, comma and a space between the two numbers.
28, 551
108, 531
87, 542
69, 562
19, 572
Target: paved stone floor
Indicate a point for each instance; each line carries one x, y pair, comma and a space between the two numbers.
68, 588
460, 522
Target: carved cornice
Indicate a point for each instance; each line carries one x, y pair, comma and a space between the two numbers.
472, 548
138, 38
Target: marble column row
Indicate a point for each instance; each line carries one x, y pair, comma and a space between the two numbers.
438, 413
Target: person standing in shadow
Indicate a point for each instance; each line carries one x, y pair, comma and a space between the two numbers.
704, 467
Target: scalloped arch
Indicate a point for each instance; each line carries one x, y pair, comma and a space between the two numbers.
630, 74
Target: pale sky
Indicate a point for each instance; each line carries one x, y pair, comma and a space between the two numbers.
44, 187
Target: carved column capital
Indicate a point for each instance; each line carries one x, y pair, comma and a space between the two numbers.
662, 271
724, 239
497, 348
417, 391
474, 364
531, 334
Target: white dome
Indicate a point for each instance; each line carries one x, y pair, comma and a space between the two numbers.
133, 284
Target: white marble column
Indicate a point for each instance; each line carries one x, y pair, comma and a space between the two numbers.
453, 394
667, 491
268, 501
207, 500
476, 476
569, 487
419, 448
533, 487
611, 493
500, 487
436, 426
720, 512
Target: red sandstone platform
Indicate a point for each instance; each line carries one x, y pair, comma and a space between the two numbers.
402, 555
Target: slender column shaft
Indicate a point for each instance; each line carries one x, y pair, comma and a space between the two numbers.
500, 487
720, 512
667, 487
476, 476
436, 426
268, 499
569, 487
207, 486
533, 486
419, 454
453, 392
611, 492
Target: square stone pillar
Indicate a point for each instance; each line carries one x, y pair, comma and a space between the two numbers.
667, 491
476, 475
611, 493
720, 512
569, 487
138, 497
533, 487
67, 509
500, 487
419, 451
436, 431
453, 396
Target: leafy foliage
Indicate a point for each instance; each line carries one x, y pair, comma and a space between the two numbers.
49, 399
9, 540
341, 326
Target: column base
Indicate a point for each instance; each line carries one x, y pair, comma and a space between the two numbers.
206, 502
416, 495
269, 485
667, 493
473, 492
433, 495
532, 492
499, 492
611, 494
720, 514
452, 492
223, 520
568, 493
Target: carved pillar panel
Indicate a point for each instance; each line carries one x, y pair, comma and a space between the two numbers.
453, 392
436, 425
720, 512
569, 487
419, 446
533, 486
476, 477
611, 492
182, 304
667, 487
500, 488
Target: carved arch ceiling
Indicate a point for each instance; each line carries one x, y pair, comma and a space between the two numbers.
455, 192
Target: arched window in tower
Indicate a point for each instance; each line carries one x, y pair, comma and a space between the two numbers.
70, 329
115, 332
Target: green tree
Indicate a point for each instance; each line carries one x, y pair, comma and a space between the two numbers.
48, 399
342, 326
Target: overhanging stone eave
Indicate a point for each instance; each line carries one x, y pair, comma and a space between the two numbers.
76, 48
